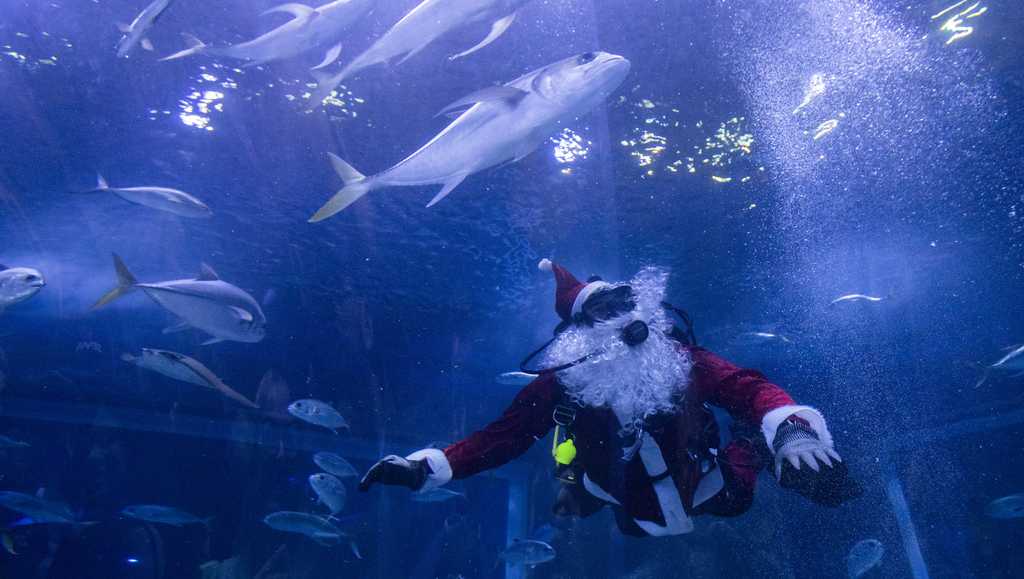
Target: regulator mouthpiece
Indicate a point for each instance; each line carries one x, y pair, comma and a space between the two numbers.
635, 333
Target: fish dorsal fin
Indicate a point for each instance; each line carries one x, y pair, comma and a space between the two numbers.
508, 94
497, 29
299, 12
449, 186
124, 27
206, 273
332, 54
173, 356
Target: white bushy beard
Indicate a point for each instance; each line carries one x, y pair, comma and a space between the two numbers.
635, 381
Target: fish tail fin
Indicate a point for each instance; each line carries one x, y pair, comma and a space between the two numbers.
101, 186
984, 372
325, 85
125, 283
126, 357
195, 46
356, 185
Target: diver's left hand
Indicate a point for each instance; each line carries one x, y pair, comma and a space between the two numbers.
797, 443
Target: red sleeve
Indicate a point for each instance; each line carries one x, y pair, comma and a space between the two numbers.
528, 419
746, 394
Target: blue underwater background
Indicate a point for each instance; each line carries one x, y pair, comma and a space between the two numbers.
902, 180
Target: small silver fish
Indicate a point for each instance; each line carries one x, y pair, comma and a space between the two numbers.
181, 367
18, 284
335, 464
515, 378
315, 527
163, 515
436, 496
864, 556
318, 413
856, 298
160, 198
528, 552
330, 491
8, 442
37, 508
759, 338
1009, 507
1013, 362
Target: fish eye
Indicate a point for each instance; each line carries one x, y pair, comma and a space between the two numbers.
586, 57
31, 277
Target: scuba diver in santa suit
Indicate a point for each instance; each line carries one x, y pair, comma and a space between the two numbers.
628, 395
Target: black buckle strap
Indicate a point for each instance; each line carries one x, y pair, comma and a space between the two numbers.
564, 415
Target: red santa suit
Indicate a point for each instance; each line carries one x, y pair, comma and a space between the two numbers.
676, 470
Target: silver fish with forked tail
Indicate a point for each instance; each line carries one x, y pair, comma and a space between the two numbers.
308, 29
186, 369
206, 303
420, 27
165, 199
502, 124
18, 284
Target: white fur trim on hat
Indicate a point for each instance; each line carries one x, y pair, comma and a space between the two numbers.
442, 469
771, 422
587, 291
545, 265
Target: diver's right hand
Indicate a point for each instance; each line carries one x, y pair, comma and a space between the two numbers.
396, 471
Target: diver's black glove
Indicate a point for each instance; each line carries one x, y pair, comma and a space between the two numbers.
827, 483
396, 471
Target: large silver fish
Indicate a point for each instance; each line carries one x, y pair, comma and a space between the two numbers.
162, 198
135, 33
18, 284
208, 303
186, 369
528, 552
503, 123
424, 24
37, 508
309, 29
163, 515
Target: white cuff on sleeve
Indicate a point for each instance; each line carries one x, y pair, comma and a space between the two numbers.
441, 470
771, 422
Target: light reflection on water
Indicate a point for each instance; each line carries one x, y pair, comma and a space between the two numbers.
570, 147
956, 25
662, 142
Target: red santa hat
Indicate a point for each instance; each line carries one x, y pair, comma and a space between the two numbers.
570, 293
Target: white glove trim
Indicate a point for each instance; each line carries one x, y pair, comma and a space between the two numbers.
771, 422
442, 469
